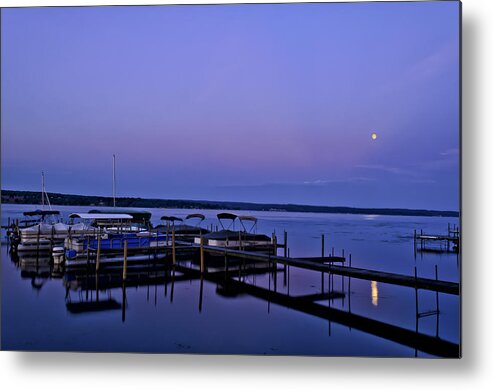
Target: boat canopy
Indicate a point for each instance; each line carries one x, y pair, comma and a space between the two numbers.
137, 215
97, 216
170, 219
227, 216
41, 213
45, 228
249, 218
200, 216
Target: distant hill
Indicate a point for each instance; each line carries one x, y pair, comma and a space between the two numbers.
29, 197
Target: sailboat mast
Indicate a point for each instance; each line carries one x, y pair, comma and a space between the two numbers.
43, 189
114, 182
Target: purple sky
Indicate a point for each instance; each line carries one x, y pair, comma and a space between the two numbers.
263, 103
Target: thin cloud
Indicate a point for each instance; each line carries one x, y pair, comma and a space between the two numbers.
383, 168
320, 182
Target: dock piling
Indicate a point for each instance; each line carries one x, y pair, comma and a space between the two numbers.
323, 255
416, 291
173, 245
436, 294
323, 245
98, 253
37, 238
125, 250
285, 243
201, 254
274, 243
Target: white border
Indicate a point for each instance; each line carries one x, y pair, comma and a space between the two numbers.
81, 371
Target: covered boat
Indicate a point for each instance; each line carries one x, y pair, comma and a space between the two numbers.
44, 236
183, 231
238, 239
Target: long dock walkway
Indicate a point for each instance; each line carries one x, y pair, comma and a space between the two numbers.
358, 273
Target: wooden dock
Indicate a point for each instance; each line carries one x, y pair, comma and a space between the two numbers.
185, 250
441, 243
357, 273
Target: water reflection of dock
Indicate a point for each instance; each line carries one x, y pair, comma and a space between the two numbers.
234, 281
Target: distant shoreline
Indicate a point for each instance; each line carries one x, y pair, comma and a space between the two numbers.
31, 197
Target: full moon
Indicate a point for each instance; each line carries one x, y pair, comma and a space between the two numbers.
373, 136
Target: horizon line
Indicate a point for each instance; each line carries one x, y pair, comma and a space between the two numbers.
244, 202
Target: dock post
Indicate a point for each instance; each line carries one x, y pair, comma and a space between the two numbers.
274, 243
52, 241
275, 276
125, 249
436, 296
173, 245
87, 251
149, 240
201, 254
323, 255
285, 243
37, 239
329, 281
437, 306
285, 276
416, 291
98, 253
288, 279
323, 245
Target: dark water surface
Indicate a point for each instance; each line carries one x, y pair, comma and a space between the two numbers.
193, 316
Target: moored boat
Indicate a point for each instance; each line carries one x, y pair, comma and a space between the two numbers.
236, 239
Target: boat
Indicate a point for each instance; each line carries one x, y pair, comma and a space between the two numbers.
141, 220
113, 231
183, 231
41, 229
243, 239
38, 216
43, 236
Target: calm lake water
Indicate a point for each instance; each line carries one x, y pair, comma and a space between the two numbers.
195, 317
